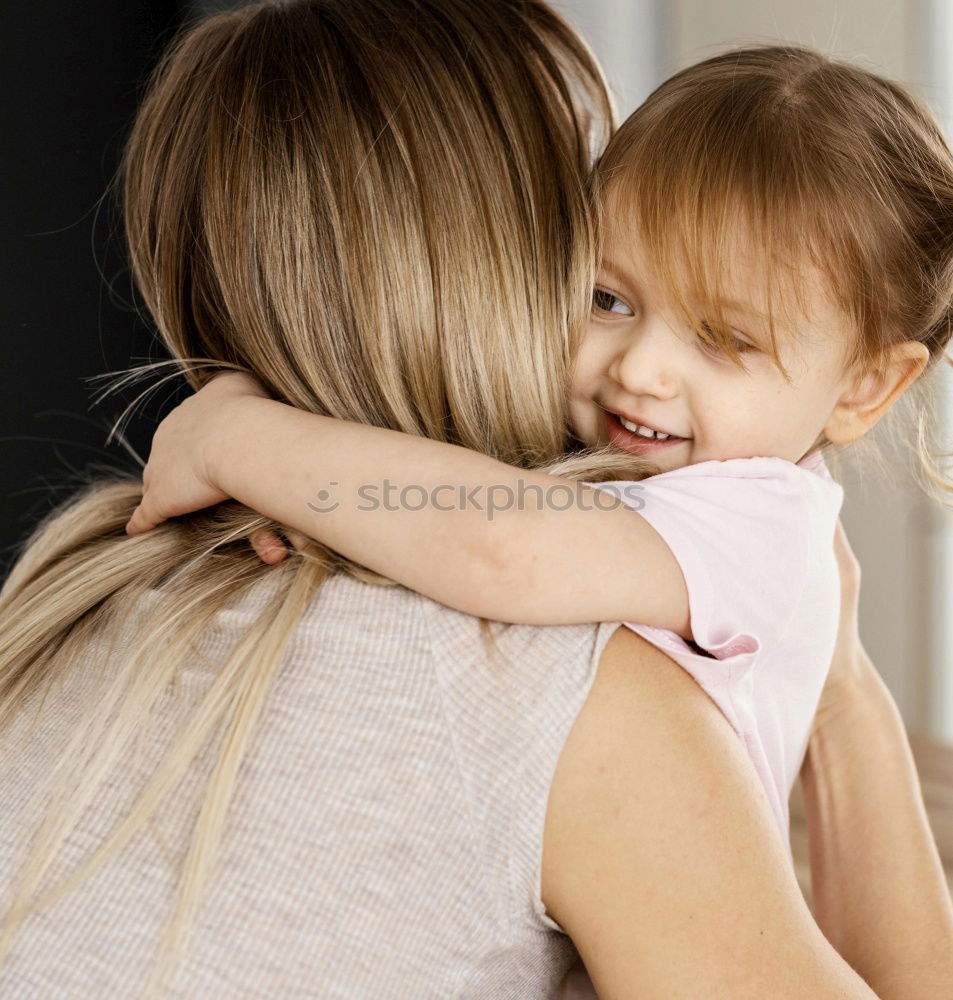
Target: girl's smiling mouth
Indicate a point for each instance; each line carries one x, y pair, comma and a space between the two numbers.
622, 436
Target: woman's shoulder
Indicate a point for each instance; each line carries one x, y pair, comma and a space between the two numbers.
644, 715
658, 843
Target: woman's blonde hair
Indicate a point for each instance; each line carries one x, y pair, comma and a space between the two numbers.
802, 158
377, 208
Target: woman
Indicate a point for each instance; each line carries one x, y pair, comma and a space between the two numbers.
378, 209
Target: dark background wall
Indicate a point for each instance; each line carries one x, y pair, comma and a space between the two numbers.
70, 77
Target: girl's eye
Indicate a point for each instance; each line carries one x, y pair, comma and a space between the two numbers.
605, 301
741, 346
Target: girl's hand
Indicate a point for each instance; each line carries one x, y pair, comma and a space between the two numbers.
270, 546
177, 478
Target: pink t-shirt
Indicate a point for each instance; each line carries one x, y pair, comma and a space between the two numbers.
755, 541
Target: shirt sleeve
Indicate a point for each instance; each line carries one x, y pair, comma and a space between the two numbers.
740, 531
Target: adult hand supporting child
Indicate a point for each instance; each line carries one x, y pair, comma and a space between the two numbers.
893, 923
850, 659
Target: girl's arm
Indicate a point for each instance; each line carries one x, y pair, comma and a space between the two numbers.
453, 524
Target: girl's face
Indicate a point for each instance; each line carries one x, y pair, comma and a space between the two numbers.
638, 365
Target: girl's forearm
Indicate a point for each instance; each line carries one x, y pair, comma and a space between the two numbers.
880, 895
453, 524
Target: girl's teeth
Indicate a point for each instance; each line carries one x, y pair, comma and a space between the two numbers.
643, 431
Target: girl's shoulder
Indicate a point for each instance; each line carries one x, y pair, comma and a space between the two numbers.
756, 467
761, 477
809, 478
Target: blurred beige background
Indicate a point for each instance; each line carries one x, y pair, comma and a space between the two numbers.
903, 541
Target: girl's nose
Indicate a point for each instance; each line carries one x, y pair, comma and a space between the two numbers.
646, 365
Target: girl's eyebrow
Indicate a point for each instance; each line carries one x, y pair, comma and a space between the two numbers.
753, 323
744, 308
614, 271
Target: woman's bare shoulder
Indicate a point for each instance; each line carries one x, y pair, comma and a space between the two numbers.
660, 855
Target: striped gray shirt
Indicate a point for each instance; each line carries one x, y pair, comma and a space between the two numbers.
385, 836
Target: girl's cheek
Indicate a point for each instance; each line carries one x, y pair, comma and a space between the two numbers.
590, 366
580, 381
584, 417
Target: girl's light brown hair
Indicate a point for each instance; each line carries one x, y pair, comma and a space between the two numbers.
378, 209
800, 158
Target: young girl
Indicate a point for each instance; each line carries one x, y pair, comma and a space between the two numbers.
776, 270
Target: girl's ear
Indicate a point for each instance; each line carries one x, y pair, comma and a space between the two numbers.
871, 394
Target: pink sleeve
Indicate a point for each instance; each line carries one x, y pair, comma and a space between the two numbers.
739, 530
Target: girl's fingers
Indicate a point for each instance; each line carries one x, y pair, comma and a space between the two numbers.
138, 522
268, 546
299, 541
